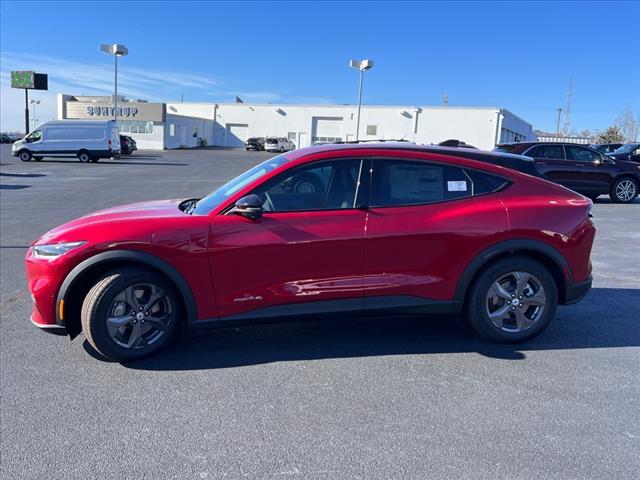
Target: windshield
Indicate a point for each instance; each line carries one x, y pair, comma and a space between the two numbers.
214, 199
626, 148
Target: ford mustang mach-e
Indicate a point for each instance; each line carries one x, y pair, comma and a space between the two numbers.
391, 229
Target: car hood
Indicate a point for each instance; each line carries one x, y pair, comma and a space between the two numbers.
17, 143
132, 212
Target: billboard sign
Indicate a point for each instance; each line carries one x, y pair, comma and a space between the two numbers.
29, 79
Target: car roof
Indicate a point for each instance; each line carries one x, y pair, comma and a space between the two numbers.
516, 162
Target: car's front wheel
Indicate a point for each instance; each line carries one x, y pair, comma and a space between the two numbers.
512, 300
624, 190
130, 313
25, 155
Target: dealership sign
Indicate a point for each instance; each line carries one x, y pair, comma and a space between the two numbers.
109, 111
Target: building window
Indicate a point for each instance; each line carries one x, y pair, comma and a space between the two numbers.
172, 129
291, 136
326, 139
372, 130
131, 126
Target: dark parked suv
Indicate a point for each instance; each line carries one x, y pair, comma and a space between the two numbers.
254, 143
581, 169
605, 148
630, 152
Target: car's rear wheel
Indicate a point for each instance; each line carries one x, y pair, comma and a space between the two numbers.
84, 156
25, 155
37, 159
624, 190
513, 300
130, 313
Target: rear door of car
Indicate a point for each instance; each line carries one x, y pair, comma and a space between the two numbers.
551, 162
426, 221
592, 174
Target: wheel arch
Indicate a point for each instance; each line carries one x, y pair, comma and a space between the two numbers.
82, 277
547, 255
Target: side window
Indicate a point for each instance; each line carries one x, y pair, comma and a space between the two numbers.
581, 154
550, 151
406, 182
327, 185
485, 182
34, 136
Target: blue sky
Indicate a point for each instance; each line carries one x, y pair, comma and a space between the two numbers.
516, 55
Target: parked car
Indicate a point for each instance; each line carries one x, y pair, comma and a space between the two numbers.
4, 138
581, 169
127, 145
89, 140
605, 148
278, 144
629, 152
371, 229
254, 143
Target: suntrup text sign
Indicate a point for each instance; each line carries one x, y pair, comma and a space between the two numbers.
109, 111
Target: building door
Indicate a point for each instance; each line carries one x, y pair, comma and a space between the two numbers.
327, 129
183, 134
303, 139
237, 134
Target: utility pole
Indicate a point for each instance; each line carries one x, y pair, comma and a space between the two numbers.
567, 112
558, 124
445, 100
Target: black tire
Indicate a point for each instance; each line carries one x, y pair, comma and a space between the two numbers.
281, 149
84, 156
37, 159
477, 306
98, 304
25, 155
307, 183
94, 159
619, 195
593, 196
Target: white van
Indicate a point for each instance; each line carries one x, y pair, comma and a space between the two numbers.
89, 140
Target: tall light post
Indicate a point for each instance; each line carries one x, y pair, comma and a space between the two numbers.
361, 65
34, 102
116, 50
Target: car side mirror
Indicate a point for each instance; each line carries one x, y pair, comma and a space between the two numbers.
604, 160
249, 206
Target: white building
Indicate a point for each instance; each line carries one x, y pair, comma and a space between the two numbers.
186, 125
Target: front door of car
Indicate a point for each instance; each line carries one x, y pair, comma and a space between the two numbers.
304, 255
592, 172
551, 163
427, 221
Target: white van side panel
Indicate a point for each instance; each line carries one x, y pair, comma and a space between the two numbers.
67, 138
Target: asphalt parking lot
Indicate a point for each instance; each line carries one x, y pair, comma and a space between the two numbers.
336, 399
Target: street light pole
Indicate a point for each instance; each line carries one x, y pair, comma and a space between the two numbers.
359, 104
115, 97
34, 102
558, 124
116, 50
361, 65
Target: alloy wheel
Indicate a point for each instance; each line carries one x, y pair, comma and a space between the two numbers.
515, 302
626, 190
139, 316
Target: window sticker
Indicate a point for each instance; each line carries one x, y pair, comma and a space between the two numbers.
457, 186
415, 182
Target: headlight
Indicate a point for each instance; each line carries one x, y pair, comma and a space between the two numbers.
54, 250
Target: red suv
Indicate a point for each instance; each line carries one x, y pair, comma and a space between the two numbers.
335, 229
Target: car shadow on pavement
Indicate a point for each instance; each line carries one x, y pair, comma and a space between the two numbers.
118, 162
607, 318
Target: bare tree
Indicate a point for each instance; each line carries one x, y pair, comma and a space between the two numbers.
629, 125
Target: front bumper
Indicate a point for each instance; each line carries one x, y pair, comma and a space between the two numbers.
577, 291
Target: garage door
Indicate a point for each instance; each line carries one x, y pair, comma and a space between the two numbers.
327, 129
237, 134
